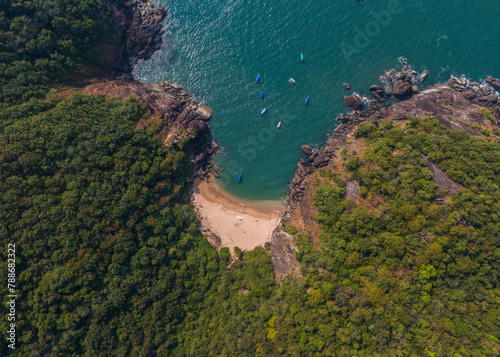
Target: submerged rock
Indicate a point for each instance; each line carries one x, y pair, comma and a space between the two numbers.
347, 86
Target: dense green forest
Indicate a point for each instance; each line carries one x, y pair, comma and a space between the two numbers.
110, 261
45, 41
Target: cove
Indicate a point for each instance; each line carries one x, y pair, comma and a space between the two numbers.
216, 49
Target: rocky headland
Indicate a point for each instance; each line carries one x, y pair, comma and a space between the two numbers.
459, 104
136, 28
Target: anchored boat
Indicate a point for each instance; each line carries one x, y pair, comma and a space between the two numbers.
292, 81
257, 79
263, 111
279, 125
307, 100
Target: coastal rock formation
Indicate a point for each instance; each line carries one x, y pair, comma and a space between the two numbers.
423, 76
378, 92
495, 83
145, 31
347, 86
306, 149
353, 102
170, 115
457, 109
137, 27
402, 87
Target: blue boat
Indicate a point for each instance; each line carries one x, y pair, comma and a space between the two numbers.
257, 79
261, 95
307, 99
239, 178
263, 111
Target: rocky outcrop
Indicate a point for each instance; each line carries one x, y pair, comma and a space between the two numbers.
423, 76
133, 31
173, 115
144, 36
402, 86
457, 110
347, 86
306, 149
494, 82
378, 92
353, 102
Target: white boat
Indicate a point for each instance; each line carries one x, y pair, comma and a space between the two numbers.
292, 81
279, 125
263, 111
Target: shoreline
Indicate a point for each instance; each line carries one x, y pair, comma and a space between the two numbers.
233, 221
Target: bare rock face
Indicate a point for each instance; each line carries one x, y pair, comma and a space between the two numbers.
440, 178
353, 102
282, 254
378, 93
352, 190
138, 26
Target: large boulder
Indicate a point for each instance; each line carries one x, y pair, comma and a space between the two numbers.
353, 102
423, 76
401, 88
377, 88
306, 149
347, 86
488, 99
379, 96
470, 95
321, 160
378, 92
204, 112
198, 126
495, 83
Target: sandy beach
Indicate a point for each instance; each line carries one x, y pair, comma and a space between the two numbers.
236, 222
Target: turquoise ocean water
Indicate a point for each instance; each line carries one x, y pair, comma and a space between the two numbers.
217, 48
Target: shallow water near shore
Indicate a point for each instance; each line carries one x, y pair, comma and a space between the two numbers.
216, 49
